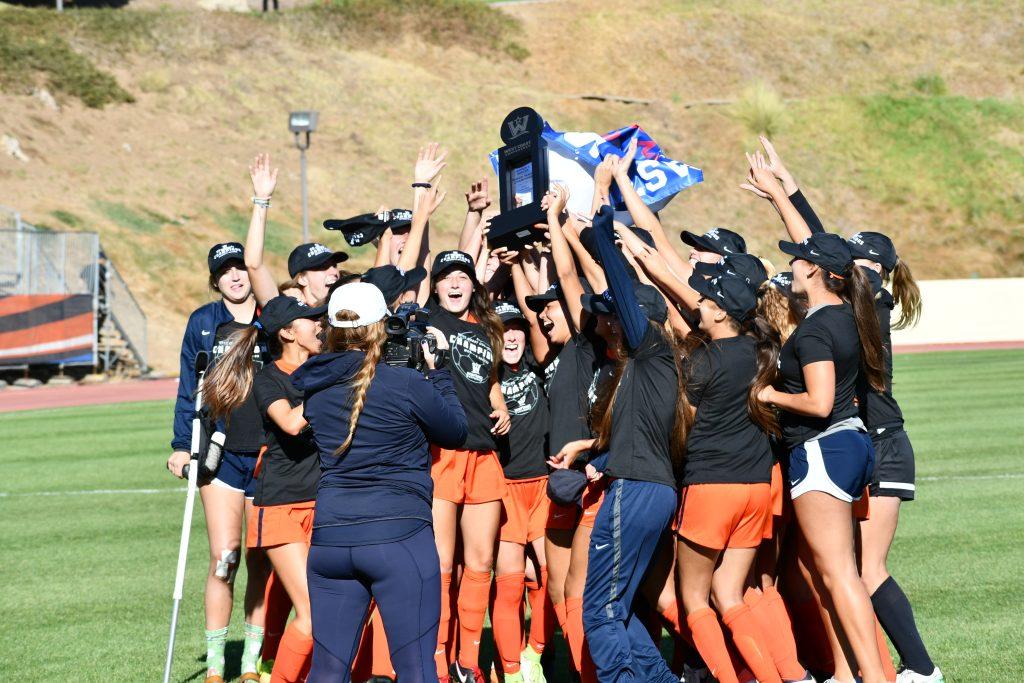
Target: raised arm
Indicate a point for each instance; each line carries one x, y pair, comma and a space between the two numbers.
565, 267
592, 271
477, 200
762, 178
425, 207
623, 300
264, 180
790, 185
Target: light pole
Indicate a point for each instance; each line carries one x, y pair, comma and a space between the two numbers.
300, 122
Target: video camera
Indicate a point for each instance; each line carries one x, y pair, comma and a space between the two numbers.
407, 330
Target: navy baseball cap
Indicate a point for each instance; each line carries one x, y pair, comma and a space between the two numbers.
366, 227
874, 246
508, 311
282, 310
783, 282
649, 298
746, 266
537, 302
453, 259
565, 487
824, 249
392, 282
223, 253
718, 240
312, 256
730, 292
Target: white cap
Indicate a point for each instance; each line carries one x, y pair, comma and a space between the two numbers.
361, 298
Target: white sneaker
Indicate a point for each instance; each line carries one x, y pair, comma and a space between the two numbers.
808, 678
910, 676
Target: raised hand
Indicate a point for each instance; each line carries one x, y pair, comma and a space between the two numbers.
558, 197
603, 173
761, 176
433, 198
623, 164
749, 186
776, 166
504, 255
429, 163
478, 199
264, 179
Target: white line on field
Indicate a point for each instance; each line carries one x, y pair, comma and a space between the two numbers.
144, 492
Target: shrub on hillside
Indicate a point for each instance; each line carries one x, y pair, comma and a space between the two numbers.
761, 109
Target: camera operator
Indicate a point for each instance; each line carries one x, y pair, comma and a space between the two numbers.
372, 533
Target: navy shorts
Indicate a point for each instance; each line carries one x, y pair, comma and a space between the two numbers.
894, 465
236, 472
839, 464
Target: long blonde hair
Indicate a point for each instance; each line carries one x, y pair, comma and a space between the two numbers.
370, 340
229, 381
906, 294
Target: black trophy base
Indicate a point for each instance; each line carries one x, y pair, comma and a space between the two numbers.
514, 230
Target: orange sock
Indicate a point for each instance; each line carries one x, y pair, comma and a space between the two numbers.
680, 629
578, 650
279, 606
770, 613
710, 643
883, 651
474, 591
751, 643
294, 654
506, 619
542, 622
381, 663
440, 653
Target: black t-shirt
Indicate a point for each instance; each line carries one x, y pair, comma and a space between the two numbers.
290, 469
471, 362
524, 450
568, 378
879, 410
644, 413
244, 433
725, 445
826, 334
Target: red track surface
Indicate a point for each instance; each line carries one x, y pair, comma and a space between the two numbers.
81, 395
166, 389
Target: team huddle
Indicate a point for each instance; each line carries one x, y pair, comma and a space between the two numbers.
602, 435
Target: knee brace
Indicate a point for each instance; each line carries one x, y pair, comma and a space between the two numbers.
227, 565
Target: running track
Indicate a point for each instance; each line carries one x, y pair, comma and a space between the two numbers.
166, 389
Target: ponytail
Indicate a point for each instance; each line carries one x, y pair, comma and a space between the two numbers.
229, 382
370, 340
907, 296
767, 342
855, 289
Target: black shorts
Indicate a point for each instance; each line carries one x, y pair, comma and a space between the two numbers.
894, 465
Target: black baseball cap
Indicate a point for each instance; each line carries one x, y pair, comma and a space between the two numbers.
825, 249
392, 282
537, 302
783, 281
312, 256
282, 310
718, 240
223, 253
508, 311
874, 246
648, 297
746, 266
366, 227
565, 487
730, 292
453, 259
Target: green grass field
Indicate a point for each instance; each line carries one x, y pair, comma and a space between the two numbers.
90, 523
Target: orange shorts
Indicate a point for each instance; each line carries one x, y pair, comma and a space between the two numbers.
468, 477
525, 510
781, 505
862, 507
593, 496
725, 515
562, 517
279, 524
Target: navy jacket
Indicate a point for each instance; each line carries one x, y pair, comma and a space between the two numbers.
380, 488
199, 335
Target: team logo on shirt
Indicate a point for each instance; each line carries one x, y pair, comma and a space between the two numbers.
592, 390
471, 356
521, 393
549, 374
224, 345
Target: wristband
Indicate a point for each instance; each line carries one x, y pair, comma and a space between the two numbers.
261, 202
425, 186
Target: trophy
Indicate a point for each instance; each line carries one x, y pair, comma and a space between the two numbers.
522, 179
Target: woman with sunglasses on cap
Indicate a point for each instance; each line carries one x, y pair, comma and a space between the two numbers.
287, 472
831, 456
522, 453
312, 267
726, 505
213, 329
372, 535
468, 481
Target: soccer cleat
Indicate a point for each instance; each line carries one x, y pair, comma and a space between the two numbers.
910, 676
808, 678
692, 675
530, 666
467, 674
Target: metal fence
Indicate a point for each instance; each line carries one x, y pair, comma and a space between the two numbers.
124, 312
